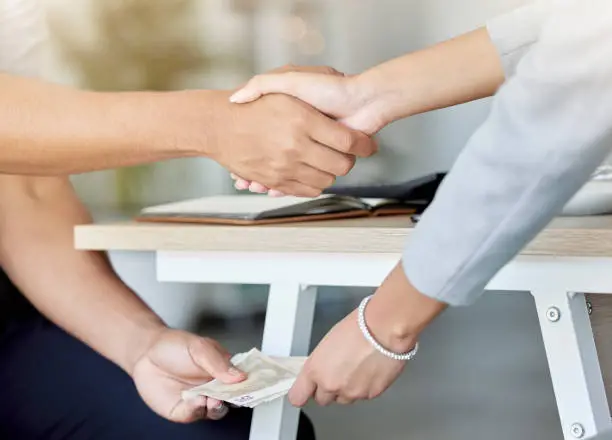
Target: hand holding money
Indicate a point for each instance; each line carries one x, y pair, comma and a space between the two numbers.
269, 378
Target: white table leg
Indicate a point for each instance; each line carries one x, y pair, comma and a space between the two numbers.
573, 362
287, 332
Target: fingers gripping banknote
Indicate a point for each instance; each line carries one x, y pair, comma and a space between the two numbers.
268, 379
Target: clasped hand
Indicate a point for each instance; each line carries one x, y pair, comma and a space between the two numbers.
289, 145
333, 94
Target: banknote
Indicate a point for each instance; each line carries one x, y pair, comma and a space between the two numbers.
261, 401
293, 363
268, 379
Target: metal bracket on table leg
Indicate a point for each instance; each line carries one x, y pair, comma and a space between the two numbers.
573, 362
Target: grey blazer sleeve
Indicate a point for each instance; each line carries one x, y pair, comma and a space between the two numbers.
548, 130
514, 33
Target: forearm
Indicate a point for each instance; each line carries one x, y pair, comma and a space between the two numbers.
47, 129
77, 290
463, 69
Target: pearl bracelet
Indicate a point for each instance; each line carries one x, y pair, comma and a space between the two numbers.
366, 333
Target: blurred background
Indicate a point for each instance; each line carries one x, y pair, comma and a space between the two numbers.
174, 44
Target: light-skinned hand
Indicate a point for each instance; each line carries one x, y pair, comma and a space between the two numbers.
345, 367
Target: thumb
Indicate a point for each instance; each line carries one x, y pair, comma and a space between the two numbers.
215, 360
296, 84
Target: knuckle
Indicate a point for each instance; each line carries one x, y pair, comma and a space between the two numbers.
372, 148
299, 122
283, 158
345, 166
199, 414
374, 144
373, 394
345, 141
288, 156
309, 371
281, 186
293, 146
324, 401
298, 191
314, 192
276, 179
353, 395
206, 343
330, 386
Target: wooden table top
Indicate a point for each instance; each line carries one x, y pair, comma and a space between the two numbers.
568, 236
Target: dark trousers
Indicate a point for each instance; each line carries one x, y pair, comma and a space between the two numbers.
53, 387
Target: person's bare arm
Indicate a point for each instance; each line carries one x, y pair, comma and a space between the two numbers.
77, 290
463, 69
80, 292
453, 72
48, 129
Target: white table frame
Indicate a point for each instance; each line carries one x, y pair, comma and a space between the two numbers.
558, 285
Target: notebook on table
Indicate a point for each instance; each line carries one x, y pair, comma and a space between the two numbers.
340, 202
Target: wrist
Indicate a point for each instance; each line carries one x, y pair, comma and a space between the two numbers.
140, 339
170, 125
379, 97
398, 313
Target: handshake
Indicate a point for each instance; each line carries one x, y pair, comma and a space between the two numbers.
294, 130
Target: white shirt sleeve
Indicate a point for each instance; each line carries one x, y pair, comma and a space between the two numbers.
549, 128
515, 32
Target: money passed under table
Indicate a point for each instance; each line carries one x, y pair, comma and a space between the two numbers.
571, 258
269, 378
